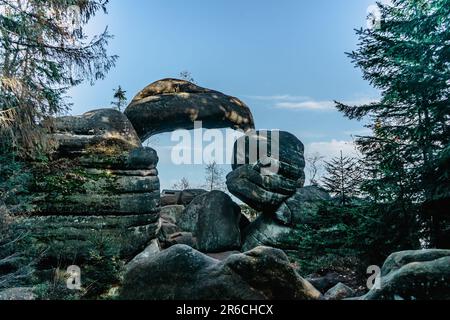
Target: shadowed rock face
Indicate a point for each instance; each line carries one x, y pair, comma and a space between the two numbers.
182, 273
248, 181
302, 206
172, 104
100, 187
414, 275
95, 130
339, 292
213, 218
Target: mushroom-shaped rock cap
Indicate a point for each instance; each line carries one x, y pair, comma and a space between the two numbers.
97, 131
170, 104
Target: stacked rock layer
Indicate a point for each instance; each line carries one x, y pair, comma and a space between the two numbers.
100, 186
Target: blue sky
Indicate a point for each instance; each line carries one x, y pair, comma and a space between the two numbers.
284, 58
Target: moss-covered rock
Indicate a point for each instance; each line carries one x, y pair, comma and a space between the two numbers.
104, 131
71, 239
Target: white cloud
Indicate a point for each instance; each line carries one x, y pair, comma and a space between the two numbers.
328, 150
307, 105
292, 102
279, 98
333, 148
325, 105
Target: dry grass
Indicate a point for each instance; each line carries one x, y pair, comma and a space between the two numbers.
7, 118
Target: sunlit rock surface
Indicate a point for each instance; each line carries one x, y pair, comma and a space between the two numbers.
95, 131
170, 104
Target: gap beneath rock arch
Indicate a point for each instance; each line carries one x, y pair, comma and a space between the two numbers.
168, 144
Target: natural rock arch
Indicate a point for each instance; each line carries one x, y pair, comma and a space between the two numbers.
170, 104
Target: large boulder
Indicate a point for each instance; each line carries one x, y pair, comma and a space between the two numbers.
264, 180
282, 229
178, 197
100, 169
152, 250
399, 259
170, 104
67, 240
326, 282
182, 273
339, 292
414, 275
100, 131
126, 185
282, 146
96, 202
213, 219
172, 213
301, 207
265, 231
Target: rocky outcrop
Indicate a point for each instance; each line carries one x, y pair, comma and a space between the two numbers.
182, 273
74, 239
339, 292
414, 275
326, 282
178, 197
100, 189
213, 219
265, 231
268, 175
98, 129
264, 180
280, 230
152, 250
89, 189
399, 259
171, 104
96, 184
301, 207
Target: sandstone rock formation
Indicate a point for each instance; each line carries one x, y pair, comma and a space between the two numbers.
97, 204
326, 282
182, 273
279, 230
399, 259
172, 104
97, 129
266, 231
339, 292
268, 175
180, 197
100, 186
299, 208
252, 184
213, 219
414, 275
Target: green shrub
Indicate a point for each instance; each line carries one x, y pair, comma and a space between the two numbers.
352, 236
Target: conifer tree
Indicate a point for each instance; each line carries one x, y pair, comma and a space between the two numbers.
343, 178
44, 51
120, 98
408, 59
